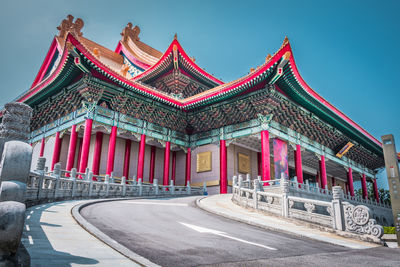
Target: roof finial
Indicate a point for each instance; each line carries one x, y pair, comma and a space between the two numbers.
268, 58
176, 36
67, 25
130, 31
285, 41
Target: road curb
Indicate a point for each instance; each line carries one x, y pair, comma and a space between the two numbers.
90, 228
250, 222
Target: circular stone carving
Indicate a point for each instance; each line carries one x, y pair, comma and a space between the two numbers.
360, 215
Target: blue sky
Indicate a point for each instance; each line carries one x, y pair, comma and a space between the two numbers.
345, 50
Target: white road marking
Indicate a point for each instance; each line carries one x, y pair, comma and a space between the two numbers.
30, 239
27, 228
154, 203
219, 233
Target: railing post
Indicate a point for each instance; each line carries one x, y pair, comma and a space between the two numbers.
337, 209
155, 184
40, 169
123, 183
73, 178
240, 181
57, 174
140, 187
172, 188
205, 188
112, 177
255, 197
234, 181
285, 195
86, 174
90, 177
107, 183
307, 186
248, 180
188, 188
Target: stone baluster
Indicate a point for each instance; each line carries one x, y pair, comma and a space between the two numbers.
155, 184
234, 181
123, 183
172, 188
40, 169
107, 183
112, 177
73, 178
248, 179
337, 209
307, 186
285, 195
255, 197
140, 187
56, 175
188, 188
240, 181
90, 177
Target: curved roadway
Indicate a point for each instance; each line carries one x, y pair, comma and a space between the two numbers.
174, 232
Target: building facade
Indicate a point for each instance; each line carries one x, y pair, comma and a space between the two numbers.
143, 114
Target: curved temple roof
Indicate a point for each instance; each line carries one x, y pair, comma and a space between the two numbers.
111, 65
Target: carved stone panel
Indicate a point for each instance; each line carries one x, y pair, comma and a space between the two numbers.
244, 164
204, 162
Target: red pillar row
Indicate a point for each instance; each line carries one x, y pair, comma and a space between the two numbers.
111, 150
71, 149
376, 191
350, 181
298, 164
265, 156
166, 163
85, 145
97, 153
173, 172
140, 166
127, 157
152, 163
188, 166
223, 177
324, 180
364, 186
42, 144
56, 151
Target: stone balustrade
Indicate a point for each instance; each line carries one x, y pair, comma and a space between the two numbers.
331, 211
61, 184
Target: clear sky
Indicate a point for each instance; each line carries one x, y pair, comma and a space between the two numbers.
345, 50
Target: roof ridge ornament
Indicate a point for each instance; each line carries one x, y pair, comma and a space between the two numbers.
69, 26
130, 31
176, 36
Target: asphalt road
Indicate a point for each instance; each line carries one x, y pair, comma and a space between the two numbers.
174, 232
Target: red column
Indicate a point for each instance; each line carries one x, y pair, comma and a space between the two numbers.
173, 172
85, 145
376, 191
324, 180
223, 173
56, 151
79, 153
97, 153
259, 165
140, 166
111, 150
127, 158
166, 162
42, 143
350, 181
265, 157
71, 149
364, 186
152, 164
298, 164
188, 166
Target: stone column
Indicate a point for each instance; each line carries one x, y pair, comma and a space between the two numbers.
42, 145
376, 191
111, 150
364, 186
71, 149
142, 147
166, 163
85, 145
324, 180
265, 156
298, 164
97, 153
173, 172
127, 157
350, 181
223, 173
188, 166
152, 163
56, 151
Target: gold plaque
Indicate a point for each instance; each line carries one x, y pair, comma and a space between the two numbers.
244, 163
204, 162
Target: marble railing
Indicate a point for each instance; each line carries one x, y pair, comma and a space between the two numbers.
279, 198
60, 184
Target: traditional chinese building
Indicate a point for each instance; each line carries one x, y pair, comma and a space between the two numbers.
145, 114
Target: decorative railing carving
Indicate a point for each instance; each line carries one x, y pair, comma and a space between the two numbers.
358, 220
